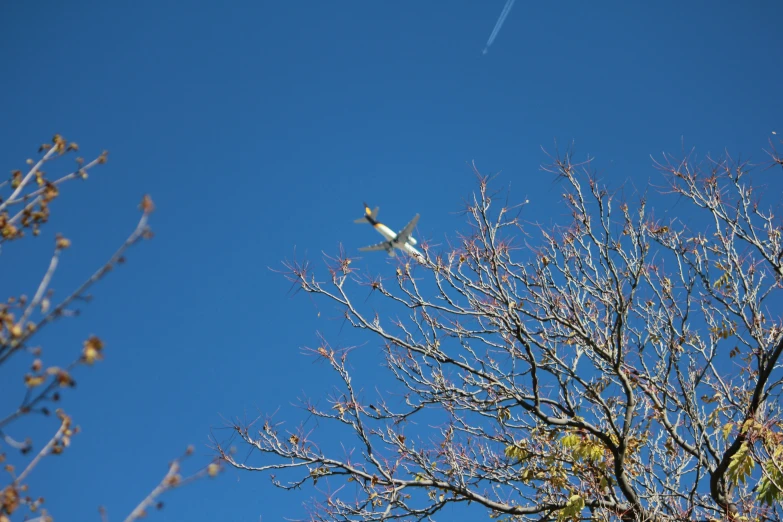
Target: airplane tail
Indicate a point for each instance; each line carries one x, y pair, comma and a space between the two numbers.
369, 215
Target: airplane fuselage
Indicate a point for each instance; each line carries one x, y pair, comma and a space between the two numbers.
391, 236
385, 231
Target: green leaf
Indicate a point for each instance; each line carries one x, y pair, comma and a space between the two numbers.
513, 451
741, 465
768, 491
572, 509
570, 440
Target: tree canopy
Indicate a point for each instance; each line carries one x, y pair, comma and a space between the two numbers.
616, 366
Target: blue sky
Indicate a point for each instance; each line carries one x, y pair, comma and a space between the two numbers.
260, 127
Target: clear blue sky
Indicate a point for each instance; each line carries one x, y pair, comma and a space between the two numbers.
260, 127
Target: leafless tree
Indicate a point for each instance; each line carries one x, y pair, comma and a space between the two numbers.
615, 368
26, 208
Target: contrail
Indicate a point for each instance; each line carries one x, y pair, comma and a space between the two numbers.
499, 24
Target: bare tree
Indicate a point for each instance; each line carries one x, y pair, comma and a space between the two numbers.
619, 368
26, 209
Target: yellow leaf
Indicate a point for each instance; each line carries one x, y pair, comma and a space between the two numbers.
16, 330
92, 351
34, 380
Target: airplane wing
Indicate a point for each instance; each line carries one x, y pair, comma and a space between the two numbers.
373, 248
405, 233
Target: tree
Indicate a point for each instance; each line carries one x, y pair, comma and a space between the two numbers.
26, 208
615, 368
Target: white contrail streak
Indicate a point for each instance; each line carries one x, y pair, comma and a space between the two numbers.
501, 20
499, 23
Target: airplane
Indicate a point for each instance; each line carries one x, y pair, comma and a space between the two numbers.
402, 240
